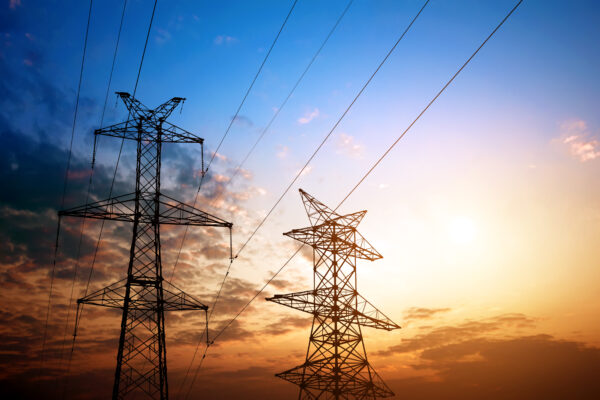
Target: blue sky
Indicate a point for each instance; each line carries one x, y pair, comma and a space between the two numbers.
544, 65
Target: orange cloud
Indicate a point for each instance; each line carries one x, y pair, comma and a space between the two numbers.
580, 142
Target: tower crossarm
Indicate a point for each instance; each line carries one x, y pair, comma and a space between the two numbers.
174, 134
131, 129
348, 240
122, 208
123, 130
318, 303
174, 299
175, 212
315, 376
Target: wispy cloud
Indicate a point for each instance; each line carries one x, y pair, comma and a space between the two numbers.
309, 116
306, 170
224, 39
576, 136
282, 151
420, 313
162, 36
219, 156
347, 145
243, 121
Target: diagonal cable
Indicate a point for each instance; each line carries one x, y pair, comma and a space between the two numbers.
368, 172
64, 191
240, 165
78, 317
89, 189
229, 128
308, 162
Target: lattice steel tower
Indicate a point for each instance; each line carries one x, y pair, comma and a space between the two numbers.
144, 295
336, 365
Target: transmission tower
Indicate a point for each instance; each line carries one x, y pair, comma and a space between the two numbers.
336, 365
144, 295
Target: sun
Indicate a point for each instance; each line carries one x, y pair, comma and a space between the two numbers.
462, 230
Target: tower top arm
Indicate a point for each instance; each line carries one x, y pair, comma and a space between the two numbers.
163, 111
135, 107
140, 111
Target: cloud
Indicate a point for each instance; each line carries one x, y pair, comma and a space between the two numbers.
162, 36
575, 135
221, 178
219, 156
287, 324
346, 145
13, 4
224, 39
525, 367
420, 313
309, 116
242, 120
307, 253
450, 334
307, 170
282, 151
252, 382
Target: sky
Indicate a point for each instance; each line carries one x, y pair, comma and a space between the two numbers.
487, 213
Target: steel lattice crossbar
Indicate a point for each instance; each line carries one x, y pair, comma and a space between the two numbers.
144, 295
336, 365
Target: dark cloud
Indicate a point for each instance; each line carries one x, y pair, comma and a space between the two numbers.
281, 284
32, 171
449, 334
528, 367
251, 382
287, 324
307, 253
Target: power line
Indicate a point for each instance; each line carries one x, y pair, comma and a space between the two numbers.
62, 202
239, 167
369, 171
304, 167
80, 310
234, 318
330, 132
229, 128
268, 126
112, 184
332, 129
89, 188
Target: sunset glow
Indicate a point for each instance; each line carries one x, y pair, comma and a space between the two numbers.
462, 230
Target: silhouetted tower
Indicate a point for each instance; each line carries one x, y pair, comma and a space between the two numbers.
336, 365
144, 295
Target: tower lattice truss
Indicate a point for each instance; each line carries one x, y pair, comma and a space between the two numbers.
143, 294
336, 365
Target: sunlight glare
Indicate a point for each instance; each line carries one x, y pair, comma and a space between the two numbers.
462, 230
